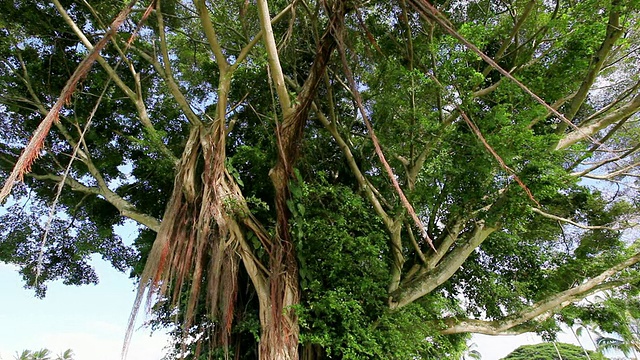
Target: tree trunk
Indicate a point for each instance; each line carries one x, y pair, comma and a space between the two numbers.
312, 352
279, 328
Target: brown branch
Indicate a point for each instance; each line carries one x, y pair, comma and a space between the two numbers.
496, 156
358, 98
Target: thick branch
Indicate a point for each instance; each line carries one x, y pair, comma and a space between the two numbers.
274, 59
498, 327
592, 128
545, 307
210, 33
452, 233
427, 281
245, 50
614, 31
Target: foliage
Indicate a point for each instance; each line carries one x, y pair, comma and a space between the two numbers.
44, 354
547, 351
272, 221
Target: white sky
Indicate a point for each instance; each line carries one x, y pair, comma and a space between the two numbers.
91, 320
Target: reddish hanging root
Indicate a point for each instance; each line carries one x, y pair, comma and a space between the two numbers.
476, 131
32, 150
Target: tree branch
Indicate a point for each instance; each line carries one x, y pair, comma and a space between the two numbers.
607, 161
135, 96
87, 43
351, 162
614, 31
514, 32
274, 59
568, 221
430, 279
592, 128
210, 33
247, 48
544, 308
126, 209
167, 74
620, 172
450, 238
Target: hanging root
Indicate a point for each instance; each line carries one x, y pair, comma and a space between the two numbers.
198, 239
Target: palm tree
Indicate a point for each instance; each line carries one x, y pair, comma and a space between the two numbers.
628, 342
580, 343
42, 354
590, 329
26, 355
471, 353
67, 355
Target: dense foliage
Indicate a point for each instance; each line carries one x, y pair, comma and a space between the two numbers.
547, 351
334, 178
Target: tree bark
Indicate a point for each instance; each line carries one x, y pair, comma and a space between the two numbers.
280, 331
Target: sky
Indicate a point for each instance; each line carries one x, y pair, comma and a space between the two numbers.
91, 320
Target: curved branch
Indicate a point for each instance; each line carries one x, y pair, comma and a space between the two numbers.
587, 130
544, 308
427, 281
126, 208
